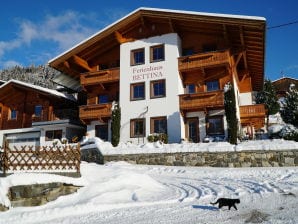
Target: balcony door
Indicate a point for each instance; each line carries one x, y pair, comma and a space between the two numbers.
192, 129
101, 131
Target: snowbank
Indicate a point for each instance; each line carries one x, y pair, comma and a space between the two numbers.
106, 148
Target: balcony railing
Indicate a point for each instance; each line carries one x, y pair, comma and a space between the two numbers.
57, 114
250, 111
203, 60
102, 76
201, 100
96, 111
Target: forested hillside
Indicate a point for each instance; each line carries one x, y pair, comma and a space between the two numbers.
38, 75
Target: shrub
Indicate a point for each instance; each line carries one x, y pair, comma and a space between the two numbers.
162, 137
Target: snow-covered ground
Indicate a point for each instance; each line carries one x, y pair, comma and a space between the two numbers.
106, 148
124, 193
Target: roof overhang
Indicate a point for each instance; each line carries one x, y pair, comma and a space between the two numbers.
249, 30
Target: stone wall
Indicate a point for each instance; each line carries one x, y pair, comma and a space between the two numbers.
213, 159
37, 194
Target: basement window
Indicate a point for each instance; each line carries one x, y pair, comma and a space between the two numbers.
53, 134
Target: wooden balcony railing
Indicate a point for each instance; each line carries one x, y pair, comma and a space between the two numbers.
201, 100
95, 111
203, 60
57, 114
250, 111
102, 76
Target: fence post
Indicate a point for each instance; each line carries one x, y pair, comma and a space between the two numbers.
79, 157
5, 157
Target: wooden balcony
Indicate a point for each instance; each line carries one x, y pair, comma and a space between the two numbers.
57, 114
102, 76
253, 115
197, 101
95, 112
257, 110
202, 60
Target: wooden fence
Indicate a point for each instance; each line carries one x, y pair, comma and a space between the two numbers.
65, 158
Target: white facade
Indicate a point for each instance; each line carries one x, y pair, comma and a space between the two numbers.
147, 108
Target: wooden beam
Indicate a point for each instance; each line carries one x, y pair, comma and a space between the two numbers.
122, 39
81, 62
243, 44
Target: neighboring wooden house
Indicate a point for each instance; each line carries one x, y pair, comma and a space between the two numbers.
168, 69
282, 85
30, 113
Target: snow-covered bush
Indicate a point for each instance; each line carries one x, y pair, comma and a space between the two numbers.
162, 137
285, 131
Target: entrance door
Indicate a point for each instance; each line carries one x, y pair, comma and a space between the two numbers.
192, 129
101, 131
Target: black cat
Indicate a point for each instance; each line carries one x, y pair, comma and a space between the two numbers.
226, 202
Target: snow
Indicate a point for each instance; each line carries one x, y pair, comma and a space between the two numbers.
106, 148
46, 90
119, 192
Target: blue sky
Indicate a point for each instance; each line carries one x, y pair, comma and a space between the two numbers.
35, 31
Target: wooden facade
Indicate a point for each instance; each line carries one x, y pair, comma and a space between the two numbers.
21, 104
219, 48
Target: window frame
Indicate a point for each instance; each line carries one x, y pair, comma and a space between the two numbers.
102, 95
11, 113
152, 48
133, 58
212, 81
132, 90
35, 110
214, 133
152, 96
187, 88
133, 134
53, 134
152, 124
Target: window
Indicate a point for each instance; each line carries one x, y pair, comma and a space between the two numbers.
190, 88
157, 53
158, 88
137, 91
137, 128
53, 134
158, 125
38, 111
209, 47
13, 114
212, 85
102, 99
138, 57
187, 51
101, 131
215, 125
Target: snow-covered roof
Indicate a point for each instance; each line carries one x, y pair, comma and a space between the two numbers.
161, 10
39, 88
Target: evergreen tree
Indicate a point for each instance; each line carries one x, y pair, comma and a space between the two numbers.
289, 110
230, 109
115, 125
269, 98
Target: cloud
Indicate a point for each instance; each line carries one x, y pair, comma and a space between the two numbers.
65, 30
58, 32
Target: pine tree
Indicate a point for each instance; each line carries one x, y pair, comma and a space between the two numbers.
230, 110
115, 125
268, 97
289, 110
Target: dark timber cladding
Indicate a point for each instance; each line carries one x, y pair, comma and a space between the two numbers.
241, 33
